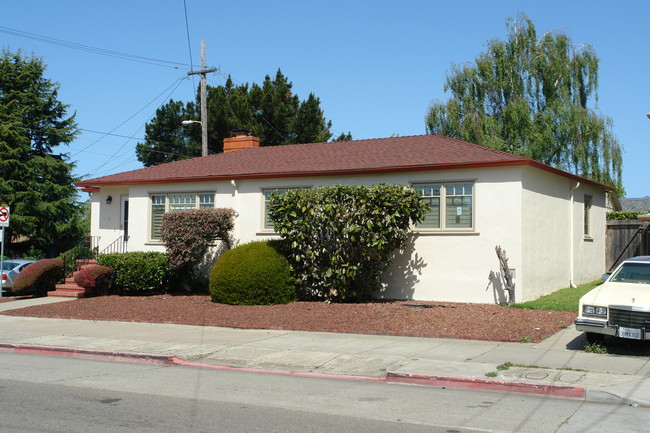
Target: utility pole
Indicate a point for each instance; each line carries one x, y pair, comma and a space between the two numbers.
204, 104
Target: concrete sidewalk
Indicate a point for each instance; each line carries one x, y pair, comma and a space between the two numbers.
558, 366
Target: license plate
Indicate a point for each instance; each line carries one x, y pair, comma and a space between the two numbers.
632, 333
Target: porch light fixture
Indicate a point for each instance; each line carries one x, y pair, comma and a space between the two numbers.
109, 199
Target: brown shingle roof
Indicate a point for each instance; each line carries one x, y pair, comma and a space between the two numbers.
381, 155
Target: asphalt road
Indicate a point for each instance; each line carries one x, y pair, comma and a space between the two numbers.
52, 394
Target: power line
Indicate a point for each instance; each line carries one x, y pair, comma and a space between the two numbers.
177, 83
104, 134
96, 50
85, 150
187, 30
189, 45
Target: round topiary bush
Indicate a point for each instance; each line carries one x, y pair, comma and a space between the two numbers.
96, 277
252, 274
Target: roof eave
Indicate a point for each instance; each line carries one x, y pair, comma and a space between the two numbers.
94, 185
575, 177
312, 173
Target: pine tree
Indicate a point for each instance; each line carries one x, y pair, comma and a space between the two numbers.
309, 125
167, 137
271, 111
36, 182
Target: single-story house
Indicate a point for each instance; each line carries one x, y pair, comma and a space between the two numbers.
551, 223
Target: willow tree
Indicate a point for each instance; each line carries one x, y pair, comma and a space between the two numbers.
533, 96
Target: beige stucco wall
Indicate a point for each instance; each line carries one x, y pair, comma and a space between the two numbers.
435, 265
589, 257
523, 209
464, 267
555, 251
106, 219
140, 208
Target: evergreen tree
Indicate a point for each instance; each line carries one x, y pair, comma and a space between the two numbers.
228, 108
530, 96
344, 136
167, 137
270, 111
36, 182
309, 125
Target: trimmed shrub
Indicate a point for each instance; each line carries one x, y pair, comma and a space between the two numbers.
96, 277
39, 277
139, 271
252, 274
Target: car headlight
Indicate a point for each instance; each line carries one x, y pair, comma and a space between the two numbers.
595, 311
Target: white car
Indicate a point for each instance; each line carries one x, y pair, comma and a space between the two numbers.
619, 307
10, 270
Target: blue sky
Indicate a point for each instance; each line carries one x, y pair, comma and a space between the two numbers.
375, 65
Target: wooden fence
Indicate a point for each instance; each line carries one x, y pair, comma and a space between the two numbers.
627, 238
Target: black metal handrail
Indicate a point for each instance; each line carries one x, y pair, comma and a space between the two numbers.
82, 252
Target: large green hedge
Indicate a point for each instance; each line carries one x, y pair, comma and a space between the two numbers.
138, 271
342, 238
252, 274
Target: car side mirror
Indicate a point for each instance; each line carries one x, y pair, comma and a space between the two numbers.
605, 277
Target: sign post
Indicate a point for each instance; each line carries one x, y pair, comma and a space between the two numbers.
4, 222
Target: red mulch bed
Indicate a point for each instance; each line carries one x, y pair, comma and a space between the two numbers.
407, 318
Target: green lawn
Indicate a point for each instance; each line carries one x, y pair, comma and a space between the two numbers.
562, 300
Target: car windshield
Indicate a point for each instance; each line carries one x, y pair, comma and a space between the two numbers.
6, 266
633, 273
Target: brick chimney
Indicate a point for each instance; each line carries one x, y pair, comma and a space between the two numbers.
240, 139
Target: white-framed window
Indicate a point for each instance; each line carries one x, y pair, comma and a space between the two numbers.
451, 205
587, 216
268, 223
173, 202
430, 193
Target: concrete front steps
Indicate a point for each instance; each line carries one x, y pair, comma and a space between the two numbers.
70, 289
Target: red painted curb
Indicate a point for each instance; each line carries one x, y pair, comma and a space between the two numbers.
183, 363
71, 352
564, 391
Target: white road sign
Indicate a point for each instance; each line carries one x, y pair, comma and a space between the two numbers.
4, 216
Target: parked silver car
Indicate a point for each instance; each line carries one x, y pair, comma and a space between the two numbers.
10, 270
620, 307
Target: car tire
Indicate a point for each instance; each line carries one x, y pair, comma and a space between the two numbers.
593, 338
